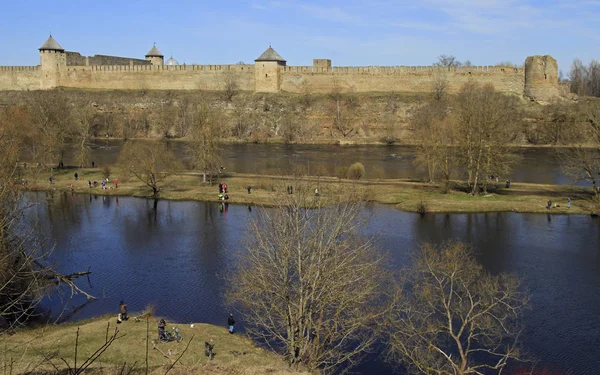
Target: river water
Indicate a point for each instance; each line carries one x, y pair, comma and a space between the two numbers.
535, 165
175, 258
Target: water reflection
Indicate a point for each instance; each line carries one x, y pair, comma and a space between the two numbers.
538, 165
175, 256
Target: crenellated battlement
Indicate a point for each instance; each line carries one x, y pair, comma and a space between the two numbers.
58, 68
163, 68
19, 68
399, 69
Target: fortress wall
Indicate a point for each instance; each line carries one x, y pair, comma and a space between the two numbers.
77, 59
148, 77
20, 78
74, 58
398, 78
115, 60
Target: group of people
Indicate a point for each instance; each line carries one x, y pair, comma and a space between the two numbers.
103, 183
549, 204
223, 195
162, 324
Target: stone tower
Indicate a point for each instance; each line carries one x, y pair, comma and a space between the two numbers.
267, 71
154, 56
541, 78
53, 61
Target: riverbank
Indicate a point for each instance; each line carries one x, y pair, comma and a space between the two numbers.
268, 190
343, 142
41, 349
375, 118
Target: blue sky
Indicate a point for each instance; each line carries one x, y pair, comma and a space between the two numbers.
349, 32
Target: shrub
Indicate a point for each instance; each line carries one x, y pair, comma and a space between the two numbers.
356, 171
422, 207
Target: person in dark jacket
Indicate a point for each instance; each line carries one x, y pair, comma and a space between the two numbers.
230, 323
123, 310
162, 326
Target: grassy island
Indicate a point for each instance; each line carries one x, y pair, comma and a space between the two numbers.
267, 190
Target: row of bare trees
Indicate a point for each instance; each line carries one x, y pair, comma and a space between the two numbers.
585, 80
315, 290
469, 135
25, 277
469, 132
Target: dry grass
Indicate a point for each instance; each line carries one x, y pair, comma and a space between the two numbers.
271, 190
234, 354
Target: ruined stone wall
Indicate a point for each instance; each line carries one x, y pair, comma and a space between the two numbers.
20, 78
76, 59
149, 77
398, 78
541, 78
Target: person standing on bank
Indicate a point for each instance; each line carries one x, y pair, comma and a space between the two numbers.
123, 310
230, 322
568, 202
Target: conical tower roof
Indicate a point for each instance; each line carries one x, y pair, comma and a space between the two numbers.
51, 45
270, 55
154, 52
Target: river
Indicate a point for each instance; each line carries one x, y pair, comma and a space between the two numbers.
175, 258
534, 165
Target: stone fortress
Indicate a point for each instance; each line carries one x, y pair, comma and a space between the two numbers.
538, 80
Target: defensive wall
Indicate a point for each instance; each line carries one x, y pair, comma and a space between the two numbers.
77, 59
538, 79
157, 77
398, 78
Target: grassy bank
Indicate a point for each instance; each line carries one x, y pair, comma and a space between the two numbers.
41, 349
270, 190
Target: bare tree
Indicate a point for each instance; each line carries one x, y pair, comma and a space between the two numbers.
230, 84
51, 120
580, 162
453, 317
24, 276
564, 123
84, 115
293, 126
594, 78
447, 61
308, 285
242, 122
149, 162
344, 104
578, 75
185, 116
585, 80
435, 140
485, 123
439, 86
166, 116
390, 119
205, 148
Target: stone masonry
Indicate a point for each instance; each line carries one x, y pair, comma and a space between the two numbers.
538, 80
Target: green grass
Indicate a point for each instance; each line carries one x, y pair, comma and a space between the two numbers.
270, 190
35, 349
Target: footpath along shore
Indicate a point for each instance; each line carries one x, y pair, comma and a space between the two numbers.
268, 190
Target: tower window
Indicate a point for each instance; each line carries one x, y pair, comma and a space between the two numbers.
266, 75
